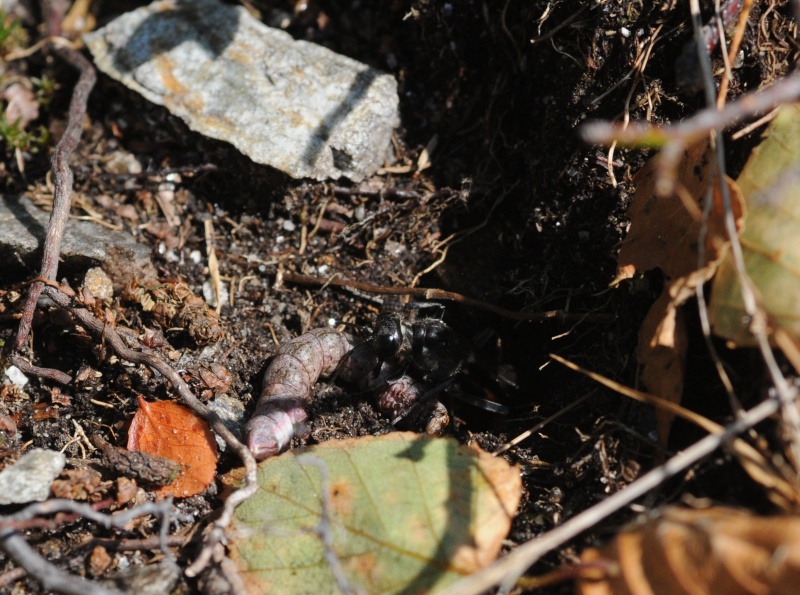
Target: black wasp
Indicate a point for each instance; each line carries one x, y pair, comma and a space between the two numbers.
410, 362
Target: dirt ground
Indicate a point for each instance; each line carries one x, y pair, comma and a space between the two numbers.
514, 210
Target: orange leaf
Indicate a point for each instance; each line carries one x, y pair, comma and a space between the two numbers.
169, 430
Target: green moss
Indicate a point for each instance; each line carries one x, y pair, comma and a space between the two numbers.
13, 136
12, 35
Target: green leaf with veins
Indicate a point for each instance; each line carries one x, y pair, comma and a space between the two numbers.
770, 184
407, 513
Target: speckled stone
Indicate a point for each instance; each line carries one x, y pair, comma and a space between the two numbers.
23, 227
294, 105
30, 478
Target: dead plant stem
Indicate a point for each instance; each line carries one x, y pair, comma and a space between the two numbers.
440, 294
62, 176
52, 578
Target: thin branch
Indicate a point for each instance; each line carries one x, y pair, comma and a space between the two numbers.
699, 125
507, 570
380, 192
161, 173
741, 24
53, 578
120, 519
441, 294
758, 326
49, 373
49, 576
323, 529
528, 433
150, 543
62, 176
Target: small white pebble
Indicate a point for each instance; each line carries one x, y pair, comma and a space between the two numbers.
99, 283
211, 299
323, 269
394, 248
196, 256
625, 32
331, 322
16, 376
288, 225
123, 163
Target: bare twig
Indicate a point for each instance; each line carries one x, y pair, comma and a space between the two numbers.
736, 42
441, 294
381, 192
51, 577
675, 138
753, 462
528, 433
505, 572
563, 23
699, 125
49, 373
758, 326
323, 528
62, 176
120, 519
161, 173
150, 543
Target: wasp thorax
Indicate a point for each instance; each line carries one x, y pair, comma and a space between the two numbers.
388, 335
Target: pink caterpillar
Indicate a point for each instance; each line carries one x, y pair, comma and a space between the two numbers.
288, 382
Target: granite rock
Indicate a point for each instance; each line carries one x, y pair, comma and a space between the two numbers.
23, 227
293, 105
30, 477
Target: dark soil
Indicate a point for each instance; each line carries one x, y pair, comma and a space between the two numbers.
514, 210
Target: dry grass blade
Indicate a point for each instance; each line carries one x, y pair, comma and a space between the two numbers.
782, 491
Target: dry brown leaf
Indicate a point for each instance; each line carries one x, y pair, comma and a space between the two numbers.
664, 234
663, 343
712, 551
23, 107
